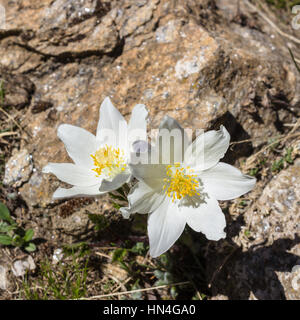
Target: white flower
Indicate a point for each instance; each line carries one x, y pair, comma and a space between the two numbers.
187, 192
101, 161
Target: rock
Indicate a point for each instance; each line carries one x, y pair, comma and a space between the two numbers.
168, 32
71, 217
57, 255
142, 52
220, 297
291, 282
137, 16
197, 61
75, 224
66, 13
277, 213
278, 217
3, 277
18, 168
35, 192
265, 267
78, 38
114, 271
20, 267
18, 89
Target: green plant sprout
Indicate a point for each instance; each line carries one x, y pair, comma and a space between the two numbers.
286, 159
68, 280
13, 235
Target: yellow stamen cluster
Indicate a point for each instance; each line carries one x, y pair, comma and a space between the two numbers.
108, 160
180, 183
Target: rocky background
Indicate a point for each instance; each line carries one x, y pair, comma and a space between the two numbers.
203, 62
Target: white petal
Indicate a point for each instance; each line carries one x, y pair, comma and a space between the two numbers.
208, 148
72, 174
138, 122
170, 124
172, 140
115, 183
226, 182
61, 193
207, 218
111, 125
125, 211
142, 199
141, 146
151, 174
165, 225
79, 143
140, 152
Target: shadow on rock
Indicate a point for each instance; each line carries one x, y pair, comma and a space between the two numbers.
223, 269
237, 134
236, 274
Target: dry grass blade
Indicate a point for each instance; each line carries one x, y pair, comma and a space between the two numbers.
284, 138
137, 290
221, 267
294, 60
103, 255
8, 133
11, 118
120, 284
271, 23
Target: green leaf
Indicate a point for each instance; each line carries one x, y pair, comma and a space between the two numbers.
136, 295
253, 171
17, 241
28, 235
4, 213
4, 227
116, 206
277, 165
247, 233
159, 274
99, 220
31, 247
119, 254
4, 239
138, 248
173, 292
288, 157
117, 197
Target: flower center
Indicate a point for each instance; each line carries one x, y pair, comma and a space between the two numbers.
109, 161
180, 182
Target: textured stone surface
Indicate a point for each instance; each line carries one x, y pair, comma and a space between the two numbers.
20, 267
3, 277
18, 87
202, 62
266, 267
18, 169
278, 209
150, 52
57, 256
37, 192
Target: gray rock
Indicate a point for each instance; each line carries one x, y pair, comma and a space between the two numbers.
3, 277
278, 207
20, 267
76, 224
18, 168
57, 255
267, 267
201, 65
